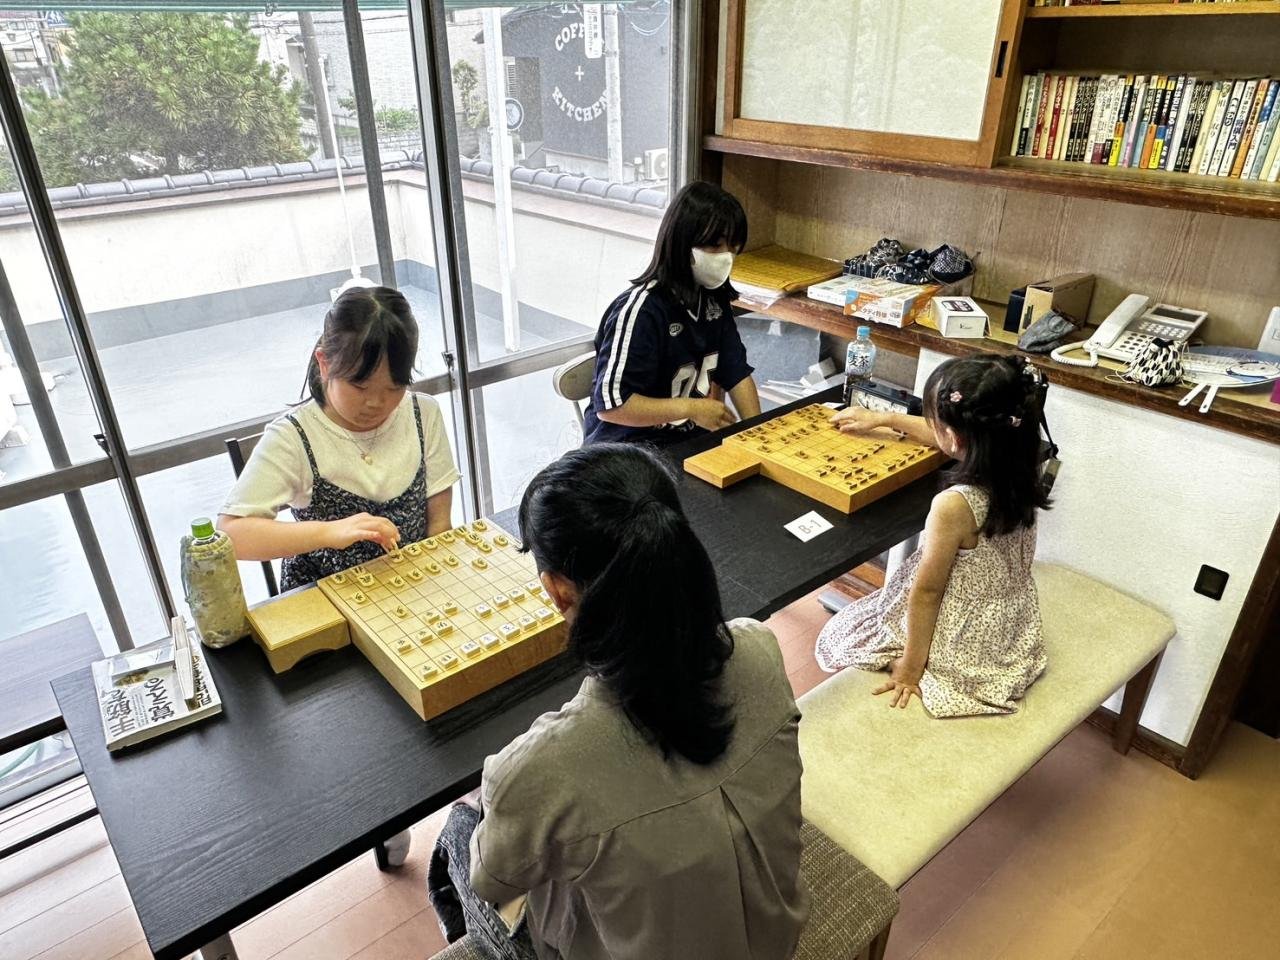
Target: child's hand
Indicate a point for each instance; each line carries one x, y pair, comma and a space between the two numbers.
362, 526
902, 683
711, 414
858, 420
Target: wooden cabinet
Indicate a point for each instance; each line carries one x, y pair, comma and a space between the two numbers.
932, 87
919, 79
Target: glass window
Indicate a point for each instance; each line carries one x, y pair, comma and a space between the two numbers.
45, 561
207, 218
563, 196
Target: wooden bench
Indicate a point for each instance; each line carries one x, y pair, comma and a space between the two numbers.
850, 907
894, 787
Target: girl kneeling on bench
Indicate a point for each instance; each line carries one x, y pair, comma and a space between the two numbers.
656, 814
958, 623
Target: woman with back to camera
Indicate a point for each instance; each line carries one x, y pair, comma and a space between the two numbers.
656, 814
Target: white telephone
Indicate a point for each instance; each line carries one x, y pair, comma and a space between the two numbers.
1130, 327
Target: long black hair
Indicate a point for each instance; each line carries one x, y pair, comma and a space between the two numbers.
364, 325
702, 215
649, 623
994, 404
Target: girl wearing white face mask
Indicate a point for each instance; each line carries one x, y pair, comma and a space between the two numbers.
668, 348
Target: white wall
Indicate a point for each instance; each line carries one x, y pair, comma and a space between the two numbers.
1143, 499
570, 262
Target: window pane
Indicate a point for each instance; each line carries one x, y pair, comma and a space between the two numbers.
44, 563
190, 161
575, 215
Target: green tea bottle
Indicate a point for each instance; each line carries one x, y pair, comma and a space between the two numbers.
211, 584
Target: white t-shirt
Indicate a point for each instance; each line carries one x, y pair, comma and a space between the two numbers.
278, 474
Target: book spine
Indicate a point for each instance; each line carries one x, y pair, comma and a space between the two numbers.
1037, 141
1087, 120
1122, 121
1224, 130
1107, 127
1135, 121
1194, 121
1019, 138
1097, 117
1174, 147
1210, 138
1268, 135
1239, 122
1070, 103
1164, 88
1247, 141
1273, 160
1168, 117
1051, 143
1260, 129
1147, 132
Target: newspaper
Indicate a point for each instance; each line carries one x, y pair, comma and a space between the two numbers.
148, 703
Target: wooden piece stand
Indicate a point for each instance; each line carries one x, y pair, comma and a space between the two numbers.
803, 451
296, 625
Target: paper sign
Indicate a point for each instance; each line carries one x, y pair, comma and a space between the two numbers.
807, 527
593, 30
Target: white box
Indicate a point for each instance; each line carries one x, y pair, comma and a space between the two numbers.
833, 291
959, 317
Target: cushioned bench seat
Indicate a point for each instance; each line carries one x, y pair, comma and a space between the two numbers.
894, 787
850, 915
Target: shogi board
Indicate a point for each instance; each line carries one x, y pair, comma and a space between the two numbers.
449, 617
803, 451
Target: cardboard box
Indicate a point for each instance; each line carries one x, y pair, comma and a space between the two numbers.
886, 301
1069, 295
959, 317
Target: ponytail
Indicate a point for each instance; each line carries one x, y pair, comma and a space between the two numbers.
648, 622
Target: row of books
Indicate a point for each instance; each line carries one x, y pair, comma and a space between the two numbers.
1176, 122
1095, 3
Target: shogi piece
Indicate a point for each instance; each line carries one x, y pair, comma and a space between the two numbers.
803, 451
297, 625
449, 617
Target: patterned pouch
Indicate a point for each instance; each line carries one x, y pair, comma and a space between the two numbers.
949, 264
1157, 363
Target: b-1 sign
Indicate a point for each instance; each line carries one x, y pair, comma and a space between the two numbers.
807, 527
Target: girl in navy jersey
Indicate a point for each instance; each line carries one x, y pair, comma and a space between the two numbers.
666, 344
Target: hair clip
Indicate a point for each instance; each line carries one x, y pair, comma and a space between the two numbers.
1015, 421
956, 396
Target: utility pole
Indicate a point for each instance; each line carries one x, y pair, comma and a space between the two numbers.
315, 79
495, 68
613, 92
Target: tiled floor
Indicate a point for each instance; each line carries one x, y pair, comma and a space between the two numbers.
1090, 856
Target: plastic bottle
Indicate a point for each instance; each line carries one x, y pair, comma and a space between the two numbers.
859, 361
211, 583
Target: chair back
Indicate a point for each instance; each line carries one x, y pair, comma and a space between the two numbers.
573, 379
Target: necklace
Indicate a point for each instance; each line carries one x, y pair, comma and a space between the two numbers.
367, 455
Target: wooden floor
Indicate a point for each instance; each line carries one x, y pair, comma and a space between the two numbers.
1090, 856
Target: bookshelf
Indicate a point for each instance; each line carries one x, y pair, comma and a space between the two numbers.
1240, 39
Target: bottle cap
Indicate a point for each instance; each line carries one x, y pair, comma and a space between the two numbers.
202, 528
864, 332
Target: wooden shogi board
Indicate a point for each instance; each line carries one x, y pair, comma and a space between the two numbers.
449, 617
803, 451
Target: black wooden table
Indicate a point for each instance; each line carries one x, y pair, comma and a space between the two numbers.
304, 771
28, 662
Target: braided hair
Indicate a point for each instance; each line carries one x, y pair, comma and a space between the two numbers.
994, 405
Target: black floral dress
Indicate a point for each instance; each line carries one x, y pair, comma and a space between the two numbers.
408, 511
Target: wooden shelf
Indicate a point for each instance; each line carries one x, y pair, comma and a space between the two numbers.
1255, 417
1174, 191
1254, 7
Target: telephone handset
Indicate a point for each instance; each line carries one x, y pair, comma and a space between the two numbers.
1130, 327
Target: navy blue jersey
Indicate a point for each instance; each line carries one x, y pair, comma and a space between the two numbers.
648, 343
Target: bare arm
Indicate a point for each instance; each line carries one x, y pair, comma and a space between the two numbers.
745, 398
260, 538
440, 512
949, 526
856, 419
640, 411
